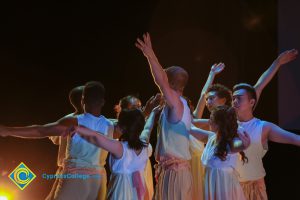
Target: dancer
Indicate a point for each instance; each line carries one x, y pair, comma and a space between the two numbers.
132, 102
172, 150
251, 174
254, 187
75, 100
217, 94
219, 156
212, 98
128, 156
81, 156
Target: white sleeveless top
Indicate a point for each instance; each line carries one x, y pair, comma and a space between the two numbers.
130, 161
254, 169
209, 159
173, 139
82, 154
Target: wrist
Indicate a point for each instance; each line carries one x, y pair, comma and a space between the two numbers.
212, 73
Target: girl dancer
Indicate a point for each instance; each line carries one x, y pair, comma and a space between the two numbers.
128, 156
219, 155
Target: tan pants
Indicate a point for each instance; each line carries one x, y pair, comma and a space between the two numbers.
52, 192
103, 188
149, 181
172, 183
77, 189
255, 190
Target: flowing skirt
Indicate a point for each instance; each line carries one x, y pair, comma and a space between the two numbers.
255, 190
222, 184
121, 187
197, 169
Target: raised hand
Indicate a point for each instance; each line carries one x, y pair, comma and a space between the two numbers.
145, 45
152, 103
157, 109
287, 56
217, 68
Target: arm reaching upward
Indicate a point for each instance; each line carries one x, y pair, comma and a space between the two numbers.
160, 78
266, 77
145, 135
151, 104
215, 69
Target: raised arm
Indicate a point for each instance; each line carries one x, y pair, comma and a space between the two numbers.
158, 73
100, 140
266, 77
215, 69
274, 133
151, 104
145, 135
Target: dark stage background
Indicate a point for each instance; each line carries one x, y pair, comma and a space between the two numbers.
49, 47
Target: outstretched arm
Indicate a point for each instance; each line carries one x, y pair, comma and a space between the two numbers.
160, 76
39, 131
100, 140
266, 77
215, 69
276, 134
145, 135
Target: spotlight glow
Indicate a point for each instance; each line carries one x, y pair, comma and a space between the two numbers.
3, 197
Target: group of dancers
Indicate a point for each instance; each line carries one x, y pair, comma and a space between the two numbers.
219, 158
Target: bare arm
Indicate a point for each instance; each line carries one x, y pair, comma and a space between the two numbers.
151, 104
201, 123
145, 135
276, 134
200, 134
160, 77
100, 140
40, 131
215, 69
266, 77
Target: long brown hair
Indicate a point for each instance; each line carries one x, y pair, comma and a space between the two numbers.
132, 123
225, 118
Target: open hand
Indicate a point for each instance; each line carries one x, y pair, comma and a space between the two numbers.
145, 45
287, 56
217, 68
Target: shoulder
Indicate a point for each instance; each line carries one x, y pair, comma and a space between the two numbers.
268, 127
68, 120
